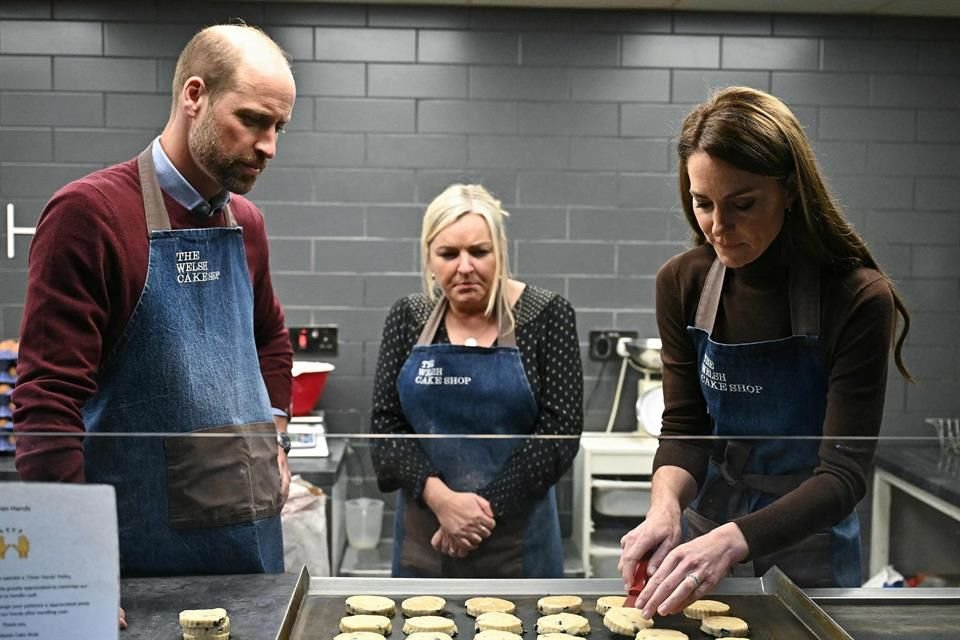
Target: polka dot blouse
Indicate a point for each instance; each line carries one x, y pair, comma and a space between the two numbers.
549, 349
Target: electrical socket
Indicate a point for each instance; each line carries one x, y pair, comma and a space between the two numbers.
604, 343
318, 340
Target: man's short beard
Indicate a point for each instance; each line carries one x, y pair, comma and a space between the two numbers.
205, 147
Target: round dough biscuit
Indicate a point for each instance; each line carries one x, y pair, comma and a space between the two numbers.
476, 606
570, 623
204, 632
197, 620
705, 608
496, 634
224, 635
605, 603
499, 621
723, 626
423, 606
558, 636
359, 635
422, 624
626, 621
371, 605
661, 634
365, 622
559, 604
429, 635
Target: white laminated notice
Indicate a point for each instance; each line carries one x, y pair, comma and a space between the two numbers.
59, 561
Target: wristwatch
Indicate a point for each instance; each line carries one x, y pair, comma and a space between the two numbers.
283, 441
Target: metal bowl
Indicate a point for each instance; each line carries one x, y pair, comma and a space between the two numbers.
645, 352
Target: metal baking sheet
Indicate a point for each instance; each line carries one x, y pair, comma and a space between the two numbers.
774, 608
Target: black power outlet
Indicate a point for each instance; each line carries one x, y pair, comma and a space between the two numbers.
603, 343
319, 340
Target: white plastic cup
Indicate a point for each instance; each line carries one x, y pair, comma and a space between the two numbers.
364, 520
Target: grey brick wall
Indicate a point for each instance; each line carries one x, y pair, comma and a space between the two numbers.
568, 116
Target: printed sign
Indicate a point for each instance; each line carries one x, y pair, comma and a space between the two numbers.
59, 561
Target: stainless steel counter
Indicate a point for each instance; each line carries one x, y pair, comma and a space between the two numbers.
893, 614
255, 603
926, 474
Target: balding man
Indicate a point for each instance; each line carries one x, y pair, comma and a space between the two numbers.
150, 313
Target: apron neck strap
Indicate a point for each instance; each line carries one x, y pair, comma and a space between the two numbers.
804, 299
156, 212
508, 339
154, 209
710, 298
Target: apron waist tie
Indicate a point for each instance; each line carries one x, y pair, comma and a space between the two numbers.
735, 456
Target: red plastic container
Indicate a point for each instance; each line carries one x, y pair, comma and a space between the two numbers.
309, 379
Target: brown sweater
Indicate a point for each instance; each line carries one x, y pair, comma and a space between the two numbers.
857, 325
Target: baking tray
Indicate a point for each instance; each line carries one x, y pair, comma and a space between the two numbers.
772, 605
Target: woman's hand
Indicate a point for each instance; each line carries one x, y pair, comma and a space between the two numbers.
466, 518
660, 532
655, 537
691, 570
449, 546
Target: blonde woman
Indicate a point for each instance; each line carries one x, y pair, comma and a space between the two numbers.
477, 353
777, 328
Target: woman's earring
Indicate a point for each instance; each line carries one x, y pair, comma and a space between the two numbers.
787, 211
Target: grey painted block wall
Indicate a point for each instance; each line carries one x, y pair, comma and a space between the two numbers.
568, 116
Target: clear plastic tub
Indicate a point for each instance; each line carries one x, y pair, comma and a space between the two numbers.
364, 517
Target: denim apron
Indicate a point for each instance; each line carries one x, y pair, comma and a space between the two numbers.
771, 388
187, 363
457, 390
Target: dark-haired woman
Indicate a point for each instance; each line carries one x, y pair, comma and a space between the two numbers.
776, 328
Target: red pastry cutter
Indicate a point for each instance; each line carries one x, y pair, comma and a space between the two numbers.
639, 581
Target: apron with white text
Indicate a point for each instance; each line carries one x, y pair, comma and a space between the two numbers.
769, 389
187, 363
457, 390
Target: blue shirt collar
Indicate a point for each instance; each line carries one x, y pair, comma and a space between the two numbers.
176, 186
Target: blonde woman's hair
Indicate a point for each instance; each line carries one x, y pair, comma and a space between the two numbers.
456, 201
756, 132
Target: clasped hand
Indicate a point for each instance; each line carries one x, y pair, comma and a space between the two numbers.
466, 520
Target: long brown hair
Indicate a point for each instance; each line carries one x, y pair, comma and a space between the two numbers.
756, 132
